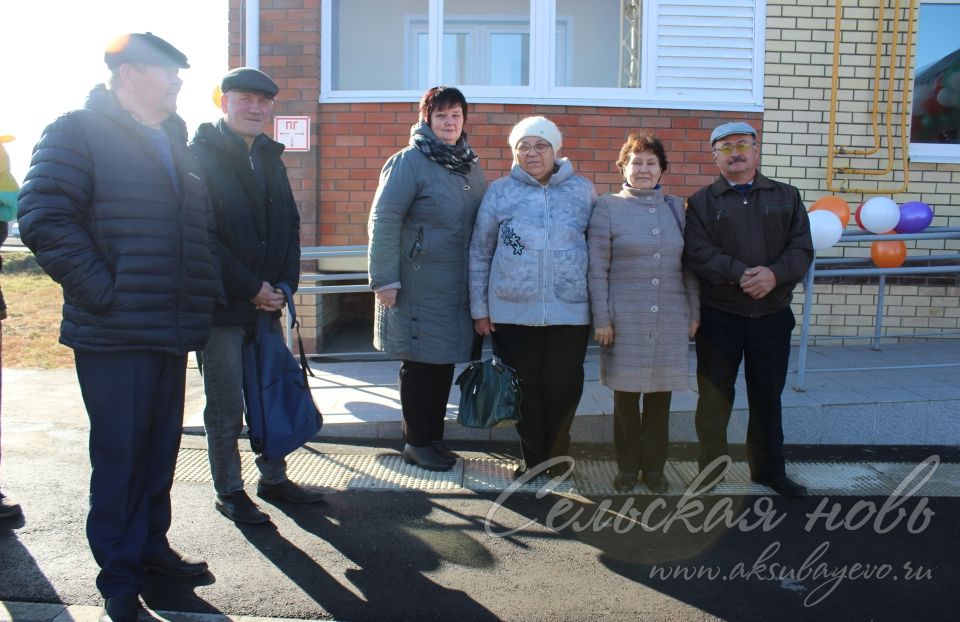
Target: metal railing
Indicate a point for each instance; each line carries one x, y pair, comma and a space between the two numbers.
824, 268
324, 256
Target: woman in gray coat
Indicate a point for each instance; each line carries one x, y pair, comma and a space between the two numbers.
645, 308
419, 228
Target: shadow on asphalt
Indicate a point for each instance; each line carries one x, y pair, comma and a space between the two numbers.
789, 567
384, 584
18, 568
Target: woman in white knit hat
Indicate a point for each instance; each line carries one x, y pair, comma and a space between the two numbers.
528, 283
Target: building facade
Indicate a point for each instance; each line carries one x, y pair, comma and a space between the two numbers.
603, 68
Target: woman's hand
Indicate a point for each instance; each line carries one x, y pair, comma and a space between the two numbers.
604, 335
484, 326
387, 297
694, 327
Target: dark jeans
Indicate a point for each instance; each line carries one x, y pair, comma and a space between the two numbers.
549, 360
763, 343
424, 391
135, 404
641, 440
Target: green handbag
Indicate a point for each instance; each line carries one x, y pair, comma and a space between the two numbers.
489, 393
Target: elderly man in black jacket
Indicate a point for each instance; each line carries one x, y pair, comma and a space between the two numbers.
748, 240
259, 231
116, 212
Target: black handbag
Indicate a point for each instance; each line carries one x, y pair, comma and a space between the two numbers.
280, 411
489, 392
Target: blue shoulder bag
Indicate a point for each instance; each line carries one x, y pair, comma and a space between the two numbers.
281, 414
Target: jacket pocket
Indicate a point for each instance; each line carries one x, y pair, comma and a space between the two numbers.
515, 278
570, 275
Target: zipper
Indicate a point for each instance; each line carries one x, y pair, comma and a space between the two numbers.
417, 248
546, 247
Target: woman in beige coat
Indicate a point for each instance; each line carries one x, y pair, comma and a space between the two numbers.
645, 308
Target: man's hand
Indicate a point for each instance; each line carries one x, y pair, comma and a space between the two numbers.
387, 297
484, 326
269, 298
604, 335
757, 282
694, 327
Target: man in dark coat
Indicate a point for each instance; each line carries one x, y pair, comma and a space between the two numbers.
115, 210
748, 240
259, 232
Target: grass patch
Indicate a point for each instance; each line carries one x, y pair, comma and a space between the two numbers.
31, 331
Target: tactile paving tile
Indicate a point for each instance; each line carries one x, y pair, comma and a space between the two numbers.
390, 472
488, 474
591, 477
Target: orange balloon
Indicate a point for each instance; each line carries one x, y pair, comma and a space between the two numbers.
836, 205
889, 253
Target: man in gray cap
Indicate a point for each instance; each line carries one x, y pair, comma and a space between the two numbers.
258, 227
748, 240
115, 210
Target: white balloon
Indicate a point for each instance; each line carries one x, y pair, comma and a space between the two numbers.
825, 228
880, 215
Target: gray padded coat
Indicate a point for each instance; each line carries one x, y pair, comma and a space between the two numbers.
419, 228
528, 256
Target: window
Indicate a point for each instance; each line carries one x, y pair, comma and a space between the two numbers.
935, 120
695, 54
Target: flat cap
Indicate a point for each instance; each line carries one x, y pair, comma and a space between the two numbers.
729, 129
144, 48
248, 79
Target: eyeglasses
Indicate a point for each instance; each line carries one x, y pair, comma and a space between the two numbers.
541, 148
739, 148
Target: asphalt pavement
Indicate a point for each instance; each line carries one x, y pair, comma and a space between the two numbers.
877, 539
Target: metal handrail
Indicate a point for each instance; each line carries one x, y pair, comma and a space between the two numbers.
932, 233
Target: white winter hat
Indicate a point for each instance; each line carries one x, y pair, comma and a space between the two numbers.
536, 126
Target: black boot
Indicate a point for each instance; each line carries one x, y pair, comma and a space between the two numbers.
425, 458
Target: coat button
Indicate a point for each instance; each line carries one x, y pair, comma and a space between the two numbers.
655, 281
656, 255
654, 309
656, 231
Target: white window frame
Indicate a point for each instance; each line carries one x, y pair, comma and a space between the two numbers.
542, 68
936, 153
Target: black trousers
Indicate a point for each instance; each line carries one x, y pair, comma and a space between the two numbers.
763, 343
549, 360
424, 391
641, 440
135, 404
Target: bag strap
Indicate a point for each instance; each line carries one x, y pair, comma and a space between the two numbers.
291, 309
674, 210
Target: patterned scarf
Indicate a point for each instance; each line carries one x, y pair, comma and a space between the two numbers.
457, 158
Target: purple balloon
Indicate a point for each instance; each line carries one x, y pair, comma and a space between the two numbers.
915, 216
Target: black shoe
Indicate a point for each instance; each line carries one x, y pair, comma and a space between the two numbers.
784, 485
444, 452
238, 507
624, 482
175, 564
9, 508
655, 481
425, 458
290, 491
121, 609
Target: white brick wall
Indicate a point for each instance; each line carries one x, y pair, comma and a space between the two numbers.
798, 70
